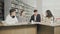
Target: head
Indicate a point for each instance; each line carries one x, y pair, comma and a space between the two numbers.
13, 13
48, 13
22, 13
35, 12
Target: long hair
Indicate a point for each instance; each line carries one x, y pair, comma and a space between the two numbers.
49, 14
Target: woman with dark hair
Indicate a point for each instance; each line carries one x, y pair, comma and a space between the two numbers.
49, 17
49, 14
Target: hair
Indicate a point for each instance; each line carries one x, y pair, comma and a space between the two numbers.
35, 10
12, 10
21, 12
49, 14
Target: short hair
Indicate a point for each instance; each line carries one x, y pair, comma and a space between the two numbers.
35, 10
12, 10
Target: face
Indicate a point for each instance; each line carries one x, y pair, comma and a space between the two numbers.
35, 13
13, 13
23, 14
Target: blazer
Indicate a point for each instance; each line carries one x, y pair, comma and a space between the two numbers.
38, 18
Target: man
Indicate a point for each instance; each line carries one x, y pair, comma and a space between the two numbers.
11, 18
35, 17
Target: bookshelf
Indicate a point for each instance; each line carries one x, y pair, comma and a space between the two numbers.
22, 6
1, 10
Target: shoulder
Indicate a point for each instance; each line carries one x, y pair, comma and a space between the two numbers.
49, 18
32, 15
38, 14
8, 16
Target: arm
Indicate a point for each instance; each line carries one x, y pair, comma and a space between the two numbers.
31, 18
39, 18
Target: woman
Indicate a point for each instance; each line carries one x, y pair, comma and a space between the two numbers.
22, 16
49, 17
22, 13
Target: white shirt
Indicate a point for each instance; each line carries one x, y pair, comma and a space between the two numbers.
9, 20
35, 18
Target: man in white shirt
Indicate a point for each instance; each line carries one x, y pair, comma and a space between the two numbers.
11, 18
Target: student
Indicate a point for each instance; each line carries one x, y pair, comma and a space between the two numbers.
35, 17
22, 13
11, 18
49, 17
22, 16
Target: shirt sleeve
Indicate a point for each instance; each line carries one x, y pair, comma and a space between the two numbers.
7, 20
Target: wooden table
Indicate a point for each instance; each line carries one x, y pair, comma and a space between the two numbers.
18, 29
35, 28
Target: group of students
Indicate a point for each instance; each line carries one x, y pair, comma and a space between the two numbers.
37, 18
12, 19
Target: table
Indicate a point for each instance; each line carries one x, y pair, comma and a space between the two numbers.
31, 28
